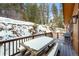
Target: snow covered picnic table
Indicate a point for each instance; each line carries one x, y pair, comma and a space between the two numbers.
37, 45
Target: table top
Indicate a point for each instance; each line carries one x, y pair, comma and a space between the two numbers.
38, 43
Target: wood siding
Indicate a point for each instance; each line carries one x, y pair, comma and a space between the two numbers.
76, 30
75, 36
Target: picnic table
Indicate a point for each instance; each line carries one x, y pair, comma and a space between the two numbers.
38, 45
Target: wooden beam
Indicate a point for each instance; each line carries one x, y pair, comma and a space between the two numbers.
68, 11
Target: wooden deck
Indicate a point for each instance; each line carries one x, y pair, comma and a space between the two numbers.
66, 48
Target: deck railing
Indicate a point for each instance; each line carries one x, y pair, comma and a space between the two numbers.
10, 47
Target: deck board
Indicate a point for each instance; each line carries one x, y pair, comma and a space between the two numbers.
66, 48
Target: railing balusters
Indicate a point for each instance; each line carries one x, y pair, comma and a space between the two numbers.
16, 46
19, 43
27, 39
4, 49
9, 48
24, 40
13, 47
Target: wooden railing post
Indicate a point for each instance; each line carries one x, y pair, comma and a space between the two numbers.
32, 36
51, 34
45, 34
57, 35
4, 49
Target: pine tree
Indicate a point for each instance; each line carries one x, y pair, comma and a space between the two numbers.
44, 13
32, 12
58, 18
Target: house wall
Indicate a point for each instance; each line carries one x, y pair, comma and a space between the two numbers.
75, 35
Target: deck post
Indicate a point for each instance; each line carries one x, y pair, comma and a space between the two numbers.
33, 37
45, 34
57, 35
51, 34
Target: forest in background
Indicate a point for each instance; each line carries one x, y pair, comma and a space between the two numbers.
34, 12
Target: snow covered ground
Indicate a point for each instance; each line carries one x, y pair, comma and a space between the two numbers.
12, 21
43, 28
10, 28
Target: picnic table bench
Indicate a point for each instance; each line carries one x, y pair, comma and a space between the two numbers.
54, 50
37, 46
